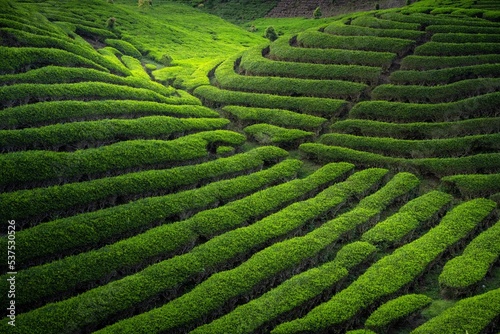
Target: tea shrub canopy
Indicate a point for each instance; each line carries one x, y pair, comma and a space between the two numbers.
167, 170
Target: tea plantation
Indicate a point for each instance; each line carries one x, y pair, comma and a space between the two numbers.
165, 171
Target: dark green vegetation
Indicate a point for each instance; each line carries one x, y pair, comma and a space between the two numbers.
170, 172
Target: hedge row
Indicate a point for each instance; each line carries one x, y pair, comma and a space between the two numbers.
22, 38
475, 185
436, 94
30, 93
279, 117
470, 315
448, 147
395, 310
321, 107
94, 228
416, 131
135, 67
22, 167
437, 20
395, 271
266, 134
425, 63
112, 54
140, 249
124, 47
58, 75
102, 302
373, 22
315, 39
444, 76
98, 133
93, 32
19, 25
253, 63
281, 50
307, 285
226, 78
393, 230
69, 111
464, 271
357, 30
16, 60
444, 29
457, 49
480, 106
40, 202
439, 167
262, 266
466, 38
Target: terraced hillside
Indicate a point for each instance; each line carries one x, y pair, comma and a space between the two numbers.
344, 179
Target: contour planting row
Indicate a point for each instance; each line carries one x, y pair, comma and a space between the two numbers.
245, 116
462, 273
20, 94
57, 75
119, 221
271, 134
356, 30
21, 59
28, 167
449, 147
315, 39
395, 271
105, 131
253, 63
471, 315
22, 38
437, 20
444, 76
398, 112
316, 106
396, 309
309, 284
461, 29
135, 67
439, 167
466, 38
123, 294
261, 267
475, 185
38, 114
418, 130
457, 49
139, 250
436, 94
414, 217
282, 50
37, 204
227, 78
426, 63
377, 23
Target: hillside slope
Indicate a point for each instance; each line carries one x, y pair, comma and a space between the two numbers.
344, 178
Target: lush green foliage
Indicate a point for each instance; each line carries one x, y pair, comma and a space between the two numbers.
253, 63
425, 63
394, 271
480, 106
19, 168
281, 50
39, 202
271, 134
473, 185
395, 309
227, 78
419, 130
309, 105
461, 273
279, 117
471, 314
